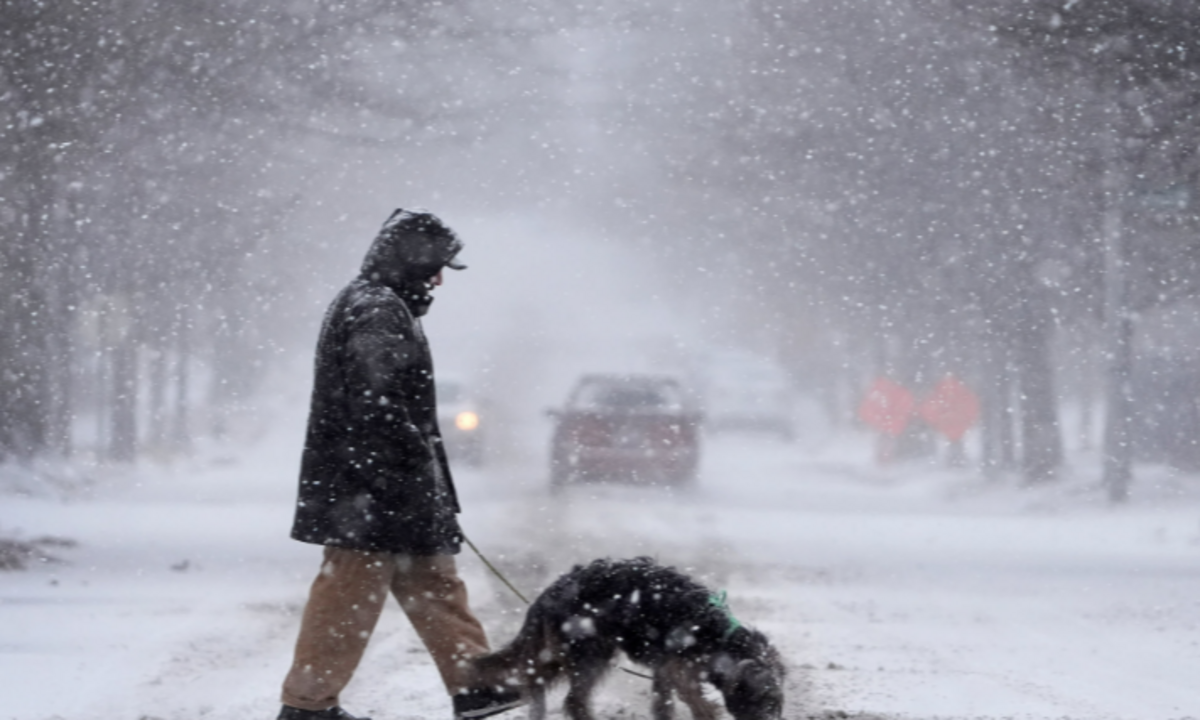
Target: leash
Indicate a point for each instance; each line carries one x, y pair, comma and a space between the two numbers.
525, 600
496, 572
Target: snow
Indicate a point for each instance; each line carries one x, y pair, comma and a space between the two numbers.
909, 591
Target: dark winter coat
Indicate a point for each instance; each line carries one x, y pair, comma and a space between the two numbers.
374, 474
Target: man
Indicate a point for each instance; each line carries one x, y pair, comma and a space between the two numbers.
375, 486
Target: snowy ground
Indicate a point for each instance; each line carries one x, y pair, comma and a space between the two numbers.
903, 592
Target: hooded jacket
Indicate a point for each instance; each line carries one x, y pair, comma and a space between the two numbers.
374, 474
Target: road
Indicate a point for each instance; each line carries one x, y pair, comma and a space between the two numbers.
907, 592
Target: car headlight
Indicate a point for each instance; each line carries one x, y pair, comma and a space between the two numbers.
466, 420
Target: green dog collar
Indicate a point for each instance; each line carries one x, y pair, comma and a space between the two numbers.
720, 603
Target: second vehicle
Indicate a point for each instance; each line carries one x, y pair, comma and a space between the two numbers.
461, 419
634, 428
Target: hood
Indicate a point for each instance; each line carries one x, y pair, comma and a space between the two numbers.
411, 247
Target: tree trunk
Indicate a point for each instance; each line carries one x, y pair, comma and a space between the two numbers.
180, 431
123, 423
1086, 382
1118, 436
157, 432
996, 397
24, 382
1118, 326
60, 358
61, 392
1041, 441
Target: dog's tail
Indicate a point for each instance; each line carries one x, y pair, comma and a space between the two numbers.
531, 658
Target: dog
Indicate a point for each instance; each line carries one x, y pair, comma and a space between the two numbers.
660, 618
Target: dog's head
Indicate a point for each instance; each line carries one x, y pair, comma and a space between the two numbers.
752, 682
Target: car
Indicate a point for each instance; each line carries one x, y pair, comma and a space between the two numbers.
631, 427
746, 393
461, 418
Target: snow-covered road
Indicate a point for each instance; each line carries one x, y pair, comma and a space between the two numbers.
902, 592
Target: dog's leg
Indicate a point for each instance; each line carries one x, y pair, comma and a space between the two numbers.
538, 684
662, 706
684, 677
583, 678
537, 701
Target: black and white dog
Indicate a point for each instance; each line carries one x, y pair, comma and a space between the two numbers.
659, 618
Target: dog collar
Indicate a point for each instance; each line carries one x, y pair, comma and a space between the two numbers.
720, 603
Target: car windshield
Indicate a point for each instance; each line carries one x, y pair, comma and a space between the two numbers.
616, 395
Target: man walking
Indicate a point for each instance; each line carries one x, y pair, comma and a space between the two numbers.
375, 486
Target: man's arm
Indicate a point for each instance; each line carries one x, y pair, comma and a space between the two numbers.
381, 347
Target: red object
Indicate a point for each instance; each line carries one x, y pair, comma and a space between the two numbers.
887, 407
636, 428
951, 408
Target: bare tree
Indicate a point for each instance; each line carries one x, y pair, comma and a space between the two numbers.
1141, 63
136, 141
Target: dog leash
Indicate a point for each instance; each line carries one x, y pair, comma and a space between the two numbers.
496, 572
525, 600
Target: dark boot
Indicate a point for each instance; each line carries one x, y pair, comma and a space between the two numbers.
484, 702
334, 713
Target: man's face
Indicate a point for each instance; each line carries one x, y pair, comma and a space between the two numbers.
436, 279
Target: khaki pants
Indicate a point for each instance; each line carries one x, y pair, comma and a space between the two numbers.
344, 605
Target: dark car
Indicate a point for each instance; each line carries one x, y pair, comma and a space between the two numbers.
636, 428
461, 419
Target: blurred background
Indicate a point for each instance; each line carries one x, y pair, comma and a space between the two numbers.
822, 193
